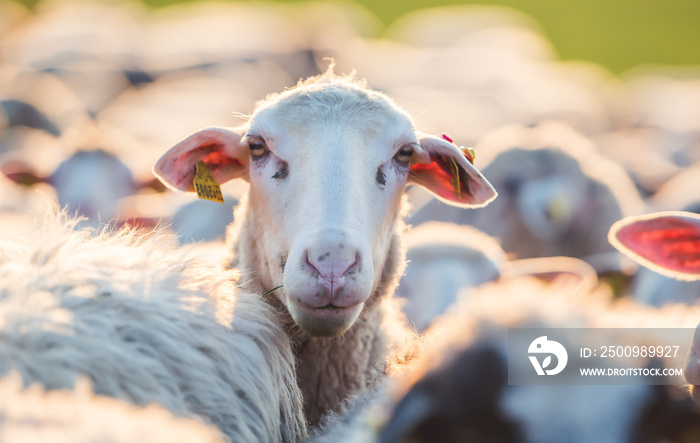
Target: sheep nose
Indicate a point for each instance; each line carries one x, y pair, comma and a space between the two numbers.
332, 264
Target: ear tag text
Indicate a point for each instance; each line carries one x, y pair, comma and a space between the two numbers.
205, 184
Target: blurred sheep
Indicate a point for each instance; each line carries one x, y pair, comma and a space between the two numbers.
485, 65
87, 46
667, 243
557, 196
637, 151
458, 388
89, 183
32, 415
19, 113
444, 259
668, 103
680, 192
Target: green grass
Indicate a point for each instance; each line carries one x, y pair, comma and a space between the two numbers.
618, 34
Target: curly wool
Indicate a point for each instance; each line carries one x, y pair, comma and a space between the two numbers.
145, 322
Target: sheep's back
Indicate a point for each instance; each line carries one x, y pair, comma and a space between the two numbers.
145, 322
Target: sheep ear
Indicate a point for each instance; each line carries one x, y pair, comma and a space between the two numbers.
22, 173
666, 242
221, 149
444, 170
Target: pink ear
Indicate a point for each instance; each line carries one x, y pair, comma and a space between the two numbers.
446, 172
220, 148
667, 242
22, 173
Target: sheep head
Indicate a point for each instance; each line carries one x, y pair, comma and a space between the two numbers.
327, 164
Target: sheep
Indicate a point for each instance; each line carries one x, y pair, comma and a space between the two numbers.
666, 105
146, 322
442, 259
667, 243
79, 416
445, 260
651, 287
458, 388
485, 65
319, 230
89, 182
558, 196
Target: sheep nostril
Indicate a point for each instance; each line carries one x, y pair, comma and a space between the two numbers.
354, 266
307, 265
332, 265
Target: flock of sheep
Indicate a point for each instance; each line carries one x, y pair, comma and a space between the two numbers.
335, 303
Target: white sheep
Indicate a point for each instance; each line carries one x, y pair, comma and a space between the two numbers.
442, 260
145, 322
89, 183
327, 162
458, 389
92, 180
669, 244
33, 415
558, 196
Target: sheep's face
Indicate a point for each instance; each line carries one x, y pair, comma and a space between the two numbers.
327, 164
327, 173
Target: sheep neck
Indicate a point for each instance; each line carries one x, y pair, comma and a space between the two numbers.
330, 370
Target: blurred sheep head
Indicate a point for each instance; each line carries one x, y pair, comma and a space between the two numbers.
559, 197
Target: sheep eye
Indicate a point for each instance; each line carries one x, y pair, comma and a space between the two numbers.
404, 154
257, 147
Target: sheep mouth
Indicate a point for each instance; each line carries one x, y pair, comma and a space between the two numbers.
333, 307
330, 307
328, 321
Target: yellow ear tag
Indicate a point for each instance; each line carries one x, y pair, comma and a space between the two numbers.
472, 154
205, 184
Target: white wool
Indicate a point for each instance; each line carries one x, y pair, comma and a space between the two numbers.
33, 415
147, 323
